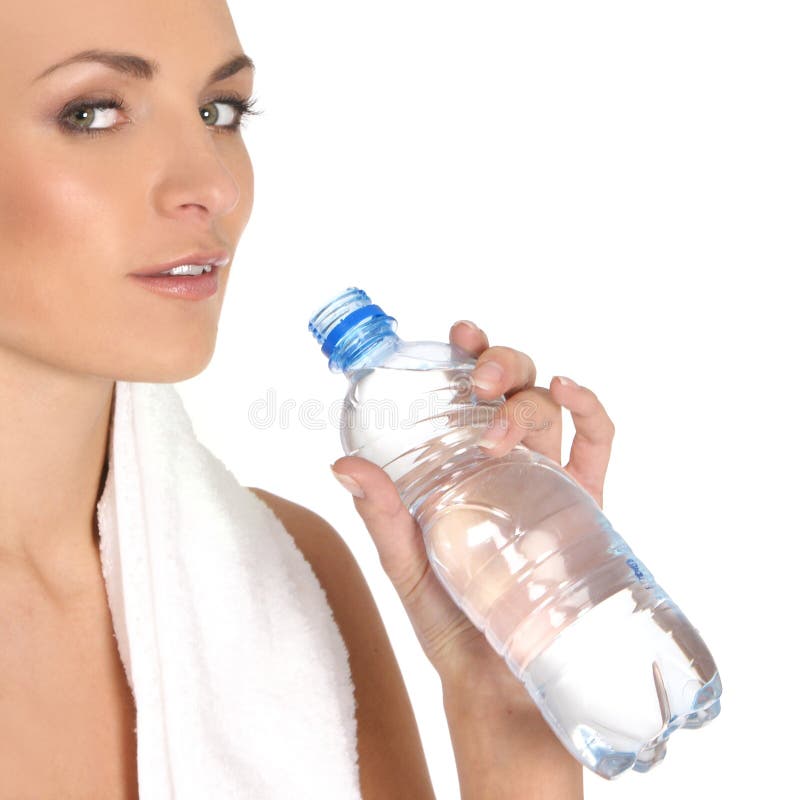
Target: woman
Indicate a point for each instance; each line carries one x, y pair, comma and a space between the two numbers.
110, 166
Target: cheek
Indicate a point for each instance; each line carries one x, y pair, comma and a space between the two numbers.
49, 213
56, 235
71, 227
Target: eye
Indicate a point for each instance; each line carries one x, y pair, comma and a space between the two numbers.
230, 120
80, 117
84, 118
92, 117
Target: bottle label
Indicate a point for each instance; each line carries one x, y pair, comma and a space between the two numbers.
636, 570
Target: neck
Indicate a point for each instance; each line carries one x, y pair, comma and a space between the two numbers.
54, 428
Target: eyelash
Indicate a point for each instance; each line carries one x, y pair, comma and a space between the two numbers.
244, 108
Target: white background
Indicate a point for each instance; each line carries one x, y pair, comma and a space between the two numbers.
611, 188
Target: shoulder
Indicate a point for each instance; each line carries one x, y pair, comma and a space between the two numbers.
314, 537
391, 759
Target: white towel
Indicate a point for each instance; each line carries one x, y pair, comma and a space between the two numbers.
239, 673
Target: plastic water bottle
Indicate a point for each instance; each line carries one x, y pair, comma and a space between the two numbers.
611, 661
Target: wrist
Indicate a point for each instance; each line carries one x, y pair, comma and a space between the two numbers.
478, 677
489, 692
505, 750
503, 746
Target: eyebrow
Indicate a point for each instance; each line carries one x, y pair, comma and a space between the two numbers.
142, 68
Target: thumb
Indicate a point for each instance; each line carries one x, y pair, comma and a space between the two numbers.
443, 630
396, 534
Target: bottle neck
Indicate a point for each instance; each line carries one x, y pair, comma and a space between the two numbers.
363, 347
354, 332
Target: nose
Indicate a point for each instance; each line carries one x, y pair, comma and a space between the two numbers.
194, 178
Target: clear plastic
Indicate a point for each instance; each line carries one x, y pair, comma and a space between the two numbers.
611, 661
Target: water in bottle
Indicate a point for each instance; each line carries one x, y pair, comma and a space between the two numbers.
611, 661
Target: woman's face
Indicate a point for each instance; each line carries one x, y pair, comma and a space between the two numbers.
88, 196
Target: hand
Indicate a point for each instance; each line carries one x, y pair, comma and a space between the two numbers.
456, 648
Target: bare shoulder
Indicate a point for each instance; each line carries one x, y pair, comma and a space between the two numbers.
313, 535
391, 759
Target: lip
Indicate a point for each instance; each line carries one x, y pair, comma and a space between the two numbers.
185, 287
218, 258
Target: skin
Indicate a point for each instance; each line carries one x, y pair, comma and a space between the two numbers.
80, 212
502, 744
532, 416
77, 215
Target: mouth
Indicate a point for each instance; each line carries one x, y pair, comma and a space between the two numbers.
188, 270
189, 266
186, 286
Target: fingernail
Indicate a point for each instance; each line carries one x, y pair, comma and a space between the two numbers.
567, 381
488, 375
468, 323
348, 483
494, 434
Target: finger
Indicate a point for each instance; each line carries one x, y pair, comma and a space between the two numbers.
469, 337
531, 417
509, 371
395, 532
502, 370
436, 618
594, 433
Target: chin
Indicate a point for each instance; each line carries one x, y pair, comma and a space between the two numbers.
173, 364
